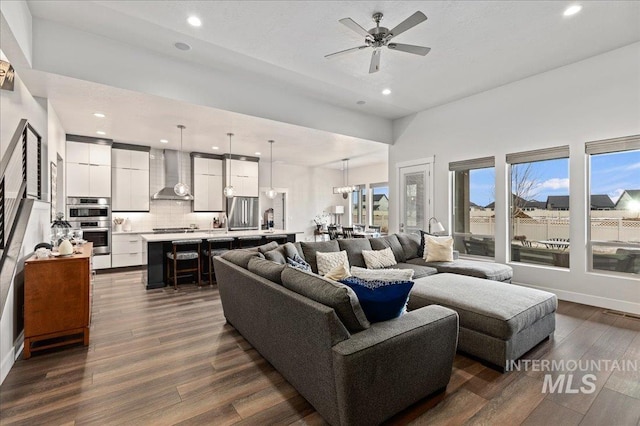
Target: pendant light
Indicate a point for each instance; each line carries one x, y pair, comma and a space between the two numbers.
229, 192
181, 189
346, 189
271, 193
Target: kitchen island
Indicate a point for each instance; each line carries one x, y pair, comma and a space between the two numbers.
156, 247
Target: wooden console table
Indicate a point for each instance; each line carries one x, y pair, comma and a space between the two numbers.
57, 301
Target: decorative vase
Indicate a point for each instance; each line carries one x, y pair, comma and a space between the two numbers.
65, 248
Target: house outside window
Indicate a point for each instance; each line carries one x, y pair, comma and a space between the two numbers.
539, 205
614, 229
380, 209
473, 206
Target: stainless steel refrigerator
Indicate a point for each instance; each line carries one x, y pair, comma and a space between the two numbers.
243, 213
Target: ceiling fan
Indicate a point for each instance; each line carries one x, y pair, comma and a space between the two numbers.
379, 37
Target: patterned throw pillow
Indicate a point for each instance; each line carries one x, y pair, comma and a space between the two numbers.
438, 249
376, 259
380, 300
382, 274
328, 261
298, 262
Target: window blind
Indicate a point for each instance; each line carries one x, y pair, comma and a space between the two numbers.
539, 155
627, 143
478, 163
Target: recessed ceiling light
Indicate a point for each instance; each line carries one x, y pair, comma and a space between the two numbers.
361, 102
99, 115
386, 92
101, 133
194, 21
258, 153
164, 141
214, 147
572, 10
182, 46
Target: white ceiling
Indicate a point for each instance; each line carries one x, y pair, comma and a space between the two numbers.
476, 46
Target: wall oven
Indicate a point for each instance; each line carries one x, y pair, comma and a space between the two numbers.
93, 216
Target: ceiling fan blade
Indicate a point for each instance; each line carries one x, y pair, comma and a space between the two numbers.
375, 61
409, 48
342, 52
352, 25
407, 24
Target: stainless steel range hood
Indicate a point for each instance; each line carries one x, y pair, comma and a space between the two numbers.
171, 178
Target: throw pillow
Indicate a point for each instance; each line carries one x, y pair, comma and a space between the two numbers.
380, 300
266, 269
299, 263
422, 249
376, 259
330, 293
328, 261
382, 274
439, 249
338, 273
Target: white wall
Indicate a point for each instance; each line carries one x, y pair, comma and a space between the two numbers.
15, 106
594, 99
11, 338
16, 31
374, 173
310, 192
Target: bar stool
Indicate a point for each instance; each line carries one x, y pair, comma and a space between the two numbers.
248, 239
278, 238
212, 251
187, 253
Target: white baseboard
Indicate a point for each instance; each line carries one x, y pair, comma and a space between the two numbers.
587, 299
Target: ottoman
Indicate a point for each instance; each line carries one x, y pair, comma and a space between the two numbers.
499, 322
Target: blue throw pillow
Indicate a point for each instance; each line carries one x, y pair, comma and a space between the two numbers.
297, 262
380, 300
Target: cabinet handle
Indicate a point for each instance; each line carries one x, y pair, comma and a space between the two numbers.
133, 241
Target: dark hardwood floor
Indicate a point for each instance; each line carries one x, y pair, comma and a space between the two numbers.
158, 357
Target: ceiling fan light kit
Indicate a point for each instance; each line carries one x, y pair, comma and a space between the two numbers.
379, 37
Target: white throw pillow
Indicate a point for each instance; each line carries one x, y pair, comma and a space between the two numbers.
327, 261
382, 274
338, 273
438, 249
376, 259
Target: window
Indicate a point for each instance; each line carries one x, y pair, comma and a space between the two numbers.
359, 206
614, 181
539, 207
380, 207
473, 206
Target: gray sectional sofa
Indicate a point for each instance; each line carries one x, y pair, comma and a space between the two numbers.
352, 375
314, 332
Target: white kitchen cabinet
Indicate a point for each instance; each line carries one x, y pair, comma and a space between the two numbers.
207, 185
130, 180
244, 178
88, 170
126, 250
77, 179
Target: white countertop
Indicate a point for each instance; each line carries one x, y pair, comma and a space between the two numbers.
204, 234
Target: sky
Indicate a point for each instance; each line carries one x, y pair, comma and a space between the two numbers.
611, 174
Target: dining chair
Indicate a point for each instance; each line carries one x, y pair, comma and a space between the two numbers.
347, 232
333, 232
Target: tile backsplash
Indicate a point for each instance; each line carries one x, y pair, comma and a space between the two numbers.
165, 213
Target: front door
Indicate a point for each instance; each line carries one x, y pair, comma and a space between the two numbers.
415, 197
